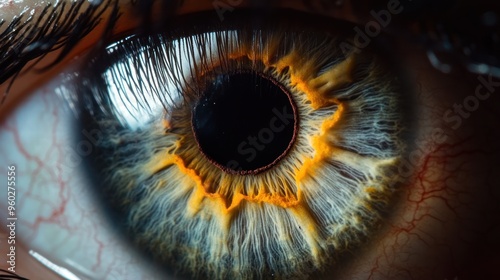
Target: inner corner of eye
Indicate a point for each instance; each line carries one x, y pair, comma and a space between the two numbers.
244, 153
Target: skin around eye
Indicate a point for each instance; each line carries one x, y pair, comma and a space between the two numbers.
443, 227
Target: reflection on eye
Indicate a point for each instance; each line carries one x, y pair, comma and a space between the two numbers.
203, 209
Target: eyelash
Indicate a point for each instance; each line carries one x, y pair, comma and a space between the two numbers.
100, 59
31, 36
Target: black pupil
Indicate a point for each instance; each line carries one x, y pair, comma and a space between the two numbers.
244, 122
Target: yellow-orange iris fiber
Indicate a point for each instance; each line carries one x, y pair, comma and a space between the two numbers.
231, 189
223, 193
323, 197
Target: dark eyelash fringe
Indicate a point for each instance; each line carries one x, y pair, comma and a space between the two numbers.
7, 275
91, 92
29, 38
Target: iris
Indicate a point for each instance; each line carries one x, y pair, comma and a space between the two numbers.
243, 151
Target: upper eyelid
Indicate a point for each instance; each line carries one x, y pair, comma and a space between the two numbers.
19, 50
33, 34
15, 65
30, 35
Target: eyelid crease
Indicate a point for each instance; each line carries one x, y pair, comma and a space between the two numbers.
31, 36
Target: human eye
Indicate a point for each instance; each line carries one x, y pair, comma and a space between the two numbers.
427, 226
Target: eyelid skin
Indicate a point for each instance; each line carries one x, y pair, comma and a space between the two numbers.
428, 229
8, 12
129, 20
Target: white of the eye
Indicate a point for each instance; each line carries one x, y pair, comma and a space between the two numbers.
57, 215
